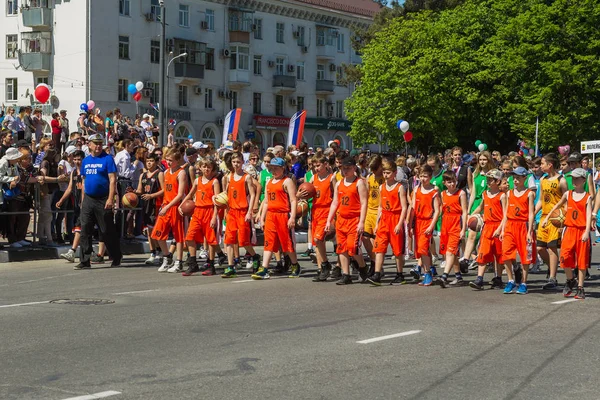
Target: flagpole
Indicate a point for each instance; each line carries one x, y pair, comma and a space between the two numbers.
537, 121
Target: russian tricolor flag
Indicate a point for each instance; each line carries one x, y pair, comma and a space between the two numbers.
296, 129
231, 124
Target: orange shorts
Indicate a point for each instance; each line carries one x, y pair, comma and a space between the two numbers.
277, 234
450, 234
348, 239
237, 230
422, 241
318, 221
490, 247
200, 229
172, 221
515, 242
385, 234
574, 253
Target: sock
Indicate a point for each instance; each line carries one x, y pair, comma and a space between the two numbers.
236, 260
192, 259
153, 253
310, 246
445, 276
511, 281
220, 254
210, 262
479, 277
169, 256
458, 276
73, 250
256, 257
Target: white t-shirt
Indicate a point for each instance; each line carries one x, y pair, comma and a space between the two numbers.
66, 168
145, 125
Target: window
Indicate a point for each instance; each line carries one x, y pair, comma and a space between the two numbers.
320, 104
240, 58
209, 136
339, 109
318, 141
321, 36
257, 28
195, 52
330, 110
339, 76
233, 101
124, 47
36, 42
257, 65
11, 46
257, 103
154, 51
278, 105
279, 63
301, 34
331, 36
123, 94
279, 31
183, 95
340, 43
184, 15
300, 103
279, 139
12, 7
320, 72
124, 7
240, 21
41, 79
182, 133
155, 92
210, 59
208, 95
11, 89
155, 9
209, 17
300, 70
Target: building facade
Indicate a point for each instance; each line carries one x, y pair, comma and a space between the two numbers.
268, 57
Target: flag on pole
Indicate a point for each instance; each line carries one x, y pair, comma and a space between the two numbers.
296, 129
537, 122
154, 106
231, 124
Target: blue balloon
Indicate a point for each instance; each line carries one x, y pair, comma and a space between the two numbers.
399, 122
131, 88
83, 107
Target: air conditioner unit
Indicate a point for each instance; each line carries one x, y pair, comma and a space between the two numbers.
293, 102
291, 68
147, 92
197, 90
149, 17
254, 27
148, 84
332, 67
229, 94
203, 25
221, 93
305, 49
271, 64
225, 53
170, 45
220, 121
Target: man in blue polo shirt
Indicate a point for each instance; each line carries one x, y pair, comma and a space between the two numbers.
99, 174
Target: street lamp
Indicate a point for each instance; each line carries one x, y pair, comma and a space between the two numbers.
166, 101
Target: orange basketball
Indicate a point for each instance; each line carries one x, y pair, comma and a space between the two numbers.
309, 188
221, 200
475, 223
130, 200
557, 218
301, 209
188, 207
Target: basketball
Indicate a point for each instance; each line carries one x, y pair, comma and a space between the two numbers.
308, 188
130, 200
557, 218
475, 223
221, 200
188, 207
301, 209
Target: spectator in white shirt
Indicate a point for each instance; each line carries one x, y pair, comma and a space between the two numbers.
125, 168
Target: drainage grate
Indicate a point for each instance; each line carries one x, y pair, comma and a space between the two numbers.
83, 302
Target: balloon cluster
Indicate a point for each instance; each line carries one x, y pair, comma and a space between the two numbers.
135, 90
564, 150
85, 107
525, 150
404, 126
42, 92
480, 145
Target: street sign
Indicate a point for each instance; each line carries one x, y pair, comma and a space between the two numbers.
589, 147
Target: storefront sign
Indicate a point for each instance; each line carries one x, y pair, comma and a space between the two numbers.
266, 122
328, 124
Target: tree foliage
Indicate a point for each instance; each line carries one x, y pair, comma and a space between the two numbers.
483, 69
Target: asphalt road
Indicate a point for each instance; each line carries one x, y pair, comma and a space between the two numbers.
170, 337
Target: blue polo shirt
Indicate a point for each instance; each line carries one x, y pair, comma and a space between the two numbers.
96, 170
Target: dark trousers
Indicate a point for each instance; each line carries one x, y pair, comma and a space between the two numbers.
18, 223
93, 213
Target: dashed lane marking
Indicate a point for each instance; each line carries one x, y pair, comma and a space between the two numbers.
393, 336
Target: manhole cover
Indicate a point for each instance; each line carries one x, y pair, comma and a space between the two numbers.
83, 302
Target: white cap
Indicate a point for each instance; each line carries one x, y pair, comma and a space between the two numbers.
199, 145
145, 116
70, 150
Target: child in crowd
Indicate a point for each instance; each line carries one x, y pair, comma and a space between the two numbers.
151, 188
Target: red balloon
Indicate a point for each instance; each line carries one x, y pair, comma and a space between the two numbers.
408, 136
42, 94
137, 96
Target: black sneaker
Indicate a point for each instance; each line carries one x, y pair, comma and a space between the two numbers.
336, 273
464, 266
313, 258
324, 273
375, 279
551, 285
398, 280
279, 269
580, 294
82, 266
568, 288
191, 269
307, 253
116, 263
477, 284
518, 275
223, 260
344, 280
372, 268
415, 274
363, 274
443, 282
496, 283
353, 266
97, 259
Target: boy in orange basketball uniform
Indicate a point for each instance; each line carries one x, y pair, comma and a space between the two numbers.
169, 219
575, 244
204, 222
350, 205
278, 218
389, 228
518, 235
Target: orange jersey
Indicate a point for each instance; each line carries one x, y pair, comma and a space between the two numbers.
451, 203
424, 203
390, 199
348, 199
171, 185
205, 193
518, 207
277, 197
576, 211
236, 192
324, 195
492, 207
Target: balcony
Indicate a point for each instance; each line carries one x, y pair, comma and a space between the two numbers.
238, 78
326, 52
324, 87
284, 83
36, 51
189, 71
36, 61
37, 17
240, 26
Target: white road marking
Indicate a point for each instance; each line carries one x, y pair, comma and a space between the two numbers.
136, 291
244, 281
99, 395
38, 280
564, 301
25, 304
380, 338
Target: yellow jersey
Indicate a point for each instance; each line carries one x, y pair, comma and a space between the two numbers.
374, 184
551, 193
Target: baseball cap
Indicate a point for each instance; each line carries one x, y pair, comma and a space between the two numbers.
520, 171
96, 138
278, 162
579, 173
354, 152
494, 174
23, 143
467, 158
190, 151
199, 145
574, 157
145, 116
348, 162
70, 150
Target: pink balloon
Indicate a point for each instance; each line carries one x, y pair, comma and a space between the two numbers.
42, 94
91, 104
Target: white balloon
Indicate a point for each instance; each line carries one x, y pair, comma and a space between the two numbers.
139, 85
404, 126
481, 147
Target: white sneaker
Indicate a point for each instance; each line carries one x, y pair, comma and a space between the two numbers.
203, 254
16, 245
443, 265
176, 267
165, 264
151, 260
249, 263
24, 243
69, 256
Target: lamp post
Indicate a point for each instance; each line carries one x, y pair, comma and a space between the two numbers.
166, 100
161, 94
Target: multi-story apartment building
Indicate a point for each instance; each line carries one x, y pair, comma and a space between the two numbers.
268, 57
